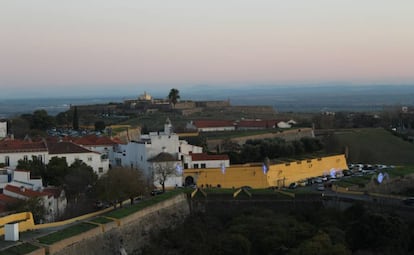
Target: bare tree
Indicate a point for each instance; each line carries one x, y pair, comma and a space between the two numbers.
121, 183
163, 171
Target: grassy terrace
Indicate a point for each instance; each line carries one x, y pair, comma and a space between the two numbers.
361, 181
123, 212
66, 233
101, 220
400, 171
19, 249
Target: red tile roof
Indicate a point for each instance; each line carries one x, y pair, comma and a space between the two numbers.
206, 157
66, 148
213, 123
22, 146
89, 140
26, 192
54, 191
257, 123
4, 199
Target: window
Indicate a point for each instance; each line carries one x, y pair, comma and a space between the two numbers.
40, 158
100, 170
185, 165
179, 148
7, 161
89, 158
203, 165
195, 165
25, 158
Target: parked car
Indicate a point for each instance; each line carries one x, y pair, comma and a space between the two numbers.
409, 201
293, 185
156, 192
320, 187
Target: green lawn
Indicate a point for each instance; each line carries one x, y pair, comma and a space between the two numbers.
123, 212
23, 248
67, 232
101, 220
359, 181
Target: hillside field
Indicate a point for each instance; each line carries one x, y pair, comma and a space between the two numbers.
372, 146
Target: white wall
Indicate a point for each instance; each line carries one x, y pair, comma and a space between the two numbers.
3, 129
212, 129
92, 159
14, 157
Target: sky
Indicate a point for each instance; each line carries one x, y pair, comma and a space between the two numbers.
51, 47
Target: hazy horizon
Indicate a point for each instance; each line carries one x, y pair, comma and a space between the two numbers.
83, 47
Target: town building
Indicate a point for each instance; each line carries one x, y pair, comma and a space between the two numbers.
3, 129
53, 199
11, 151
136, 154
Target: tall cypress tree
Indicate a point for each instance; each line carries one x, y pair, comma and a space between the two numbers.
75, 121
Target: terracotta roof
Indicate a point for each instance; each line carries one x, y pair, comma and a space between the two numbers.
205, 157
26, 192
89, 140
4, 199
257, 123
163, 157
54, 191
22, 146
66, 148
213, 123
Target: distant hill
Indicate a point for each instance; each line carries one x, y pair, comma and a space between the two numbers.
376, 146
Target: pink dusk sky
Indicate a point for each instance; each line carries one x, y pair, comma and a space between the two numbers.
50, 44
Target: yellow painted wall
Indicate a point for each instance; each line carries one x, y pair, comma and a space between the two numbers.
299, 170
25, 220
278, 175
234, 176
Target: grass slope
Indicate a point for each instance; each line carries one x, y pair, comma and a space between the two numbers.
375, 146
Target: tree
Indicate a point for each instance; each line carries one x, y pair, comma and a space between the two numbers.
173, 96
163, 171
56, 170
35, 166
99, 125
79, 179
41, 120
119, 184
75, 120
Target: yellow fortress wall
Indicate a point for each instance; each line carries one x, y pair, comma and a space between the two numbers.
278, 175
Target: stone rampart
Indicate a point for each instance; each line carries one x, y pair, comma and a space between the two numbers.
130, 233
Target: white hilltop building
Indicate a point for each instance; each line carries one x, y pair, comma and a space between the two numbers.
3, 129
136, 154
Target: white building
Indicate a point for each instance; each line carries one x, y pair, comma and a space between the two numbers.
212, 125
136, 154
22, 178
101, 144
203, 160
53, 199
11, 151
73, 152
3, 129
